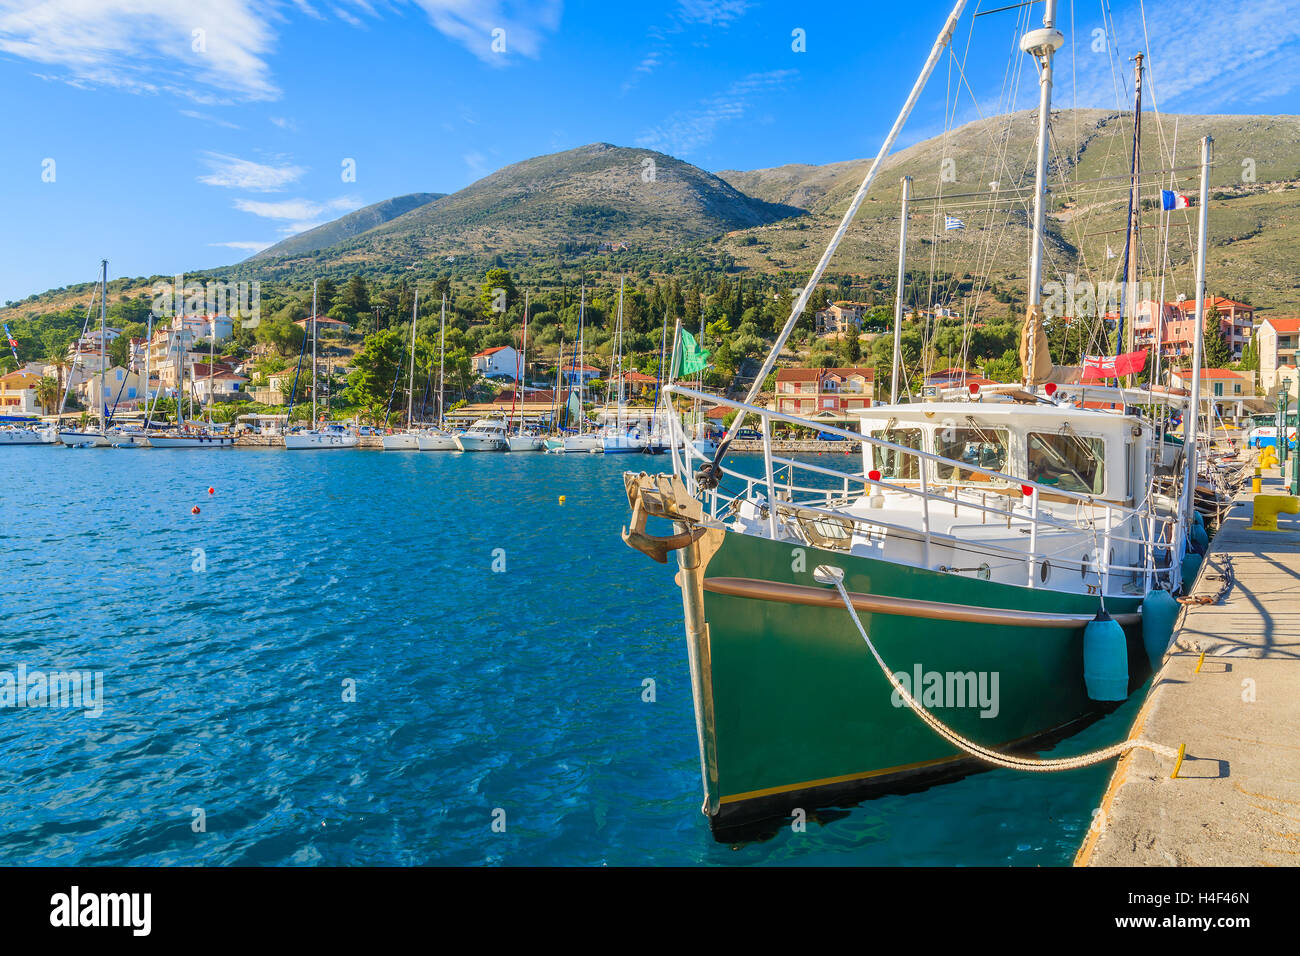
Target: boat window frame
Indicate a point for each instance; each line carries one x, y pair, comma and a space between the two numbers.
1085, 436
1008, 435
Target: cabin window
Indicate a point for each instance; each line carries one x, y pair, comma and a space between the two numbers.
895, 464
982, 447
1068, 461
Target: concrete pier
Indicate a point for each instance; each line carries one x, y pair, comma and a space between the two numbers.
1229, 690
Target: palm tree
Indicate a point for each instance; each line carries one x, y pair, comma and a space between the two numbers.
59, 359
48, 393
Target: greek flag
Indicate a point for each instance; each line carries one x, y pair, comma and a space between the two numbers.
952, 222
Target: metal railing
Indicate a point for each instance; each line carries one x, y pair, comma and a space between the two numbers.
1113, 524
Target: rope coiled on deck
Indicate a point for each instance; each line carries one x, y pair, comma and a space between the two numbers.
1031, 764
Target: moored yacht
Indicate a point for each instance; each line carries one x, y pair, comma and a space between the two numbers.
486, 434
28, 435
327, 435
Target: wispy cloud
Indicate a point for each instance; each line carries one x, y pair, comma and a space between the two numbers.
283, 122
235, 173
299, 215
472, 23
688, 15
720, 12
686, 131
147, 46
207, 118
1236, 54
248, 245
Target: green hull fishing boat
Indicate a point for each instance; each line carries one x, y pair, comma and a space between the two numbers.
1000, 572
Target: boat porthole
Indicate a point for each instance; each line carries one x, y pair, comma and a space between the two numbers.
1083, 566
1045, 571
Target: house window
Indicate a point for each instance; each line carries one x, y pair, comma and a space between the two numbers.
1218, 388
828, 403
1236, 389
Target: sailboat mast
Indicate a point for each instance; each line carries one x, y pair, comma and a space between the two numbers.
212, 358
582, 355
1190, 418
313, 353
895, 368
103, 331
523, 371
442, 352
148, 347
410, 388
1042, 45
1128, 310
618, 411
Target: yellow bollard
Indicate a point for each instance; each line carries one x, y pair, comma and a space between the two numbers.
1257, 483
1268, 507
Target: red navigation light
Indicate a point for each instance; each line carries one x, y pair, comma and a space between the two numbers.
1050, 389
873, 475
1027, 490
974, 388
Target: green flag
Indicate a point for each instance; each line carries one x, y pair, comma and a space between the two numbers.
692, 357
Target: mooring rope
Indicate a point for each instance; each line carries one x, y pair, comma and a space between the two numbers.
1032, 764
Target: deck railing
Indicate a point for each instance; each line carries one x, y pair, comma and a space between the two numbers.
786, 500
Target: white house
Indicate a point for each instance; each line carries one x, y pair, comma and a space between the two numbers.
573, 371
227, 386
499, 362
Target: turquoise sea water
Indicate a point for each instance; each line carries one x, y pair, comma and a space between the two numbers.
228, 640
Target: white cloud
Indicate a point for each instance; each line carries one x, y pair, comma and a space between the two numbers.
300, 211
147, 46
253, 245
206, 118
471, 22
686, 131
284, 122
235, 173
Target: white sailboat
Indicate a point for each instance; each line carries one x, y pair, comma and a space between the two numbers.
28, 435
187, 435
326, 435
584, 442
438, 438
93, 437
519, 441
620, 437
407, 440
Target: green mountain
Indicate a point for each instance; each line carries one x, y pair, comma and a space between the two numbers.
581, 198
1254, 214
345, 227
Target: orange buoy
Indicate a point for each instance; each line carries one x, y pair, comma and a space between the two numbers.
212, 491
194, 510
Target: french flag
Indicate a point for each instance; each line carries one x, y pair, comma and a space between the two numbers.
1172, 200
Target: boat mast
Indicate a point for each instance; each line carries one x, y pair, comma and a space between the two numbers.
618, 395
895, 368
522, 372
103, 331
1190, 418
212, 358
442, 352
313, 353
1042, 44
1128, 315
1164, 264
582, 355
148, 347
410, 388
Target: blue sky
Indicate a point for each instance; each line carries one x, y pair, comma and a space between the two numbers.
187, 134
